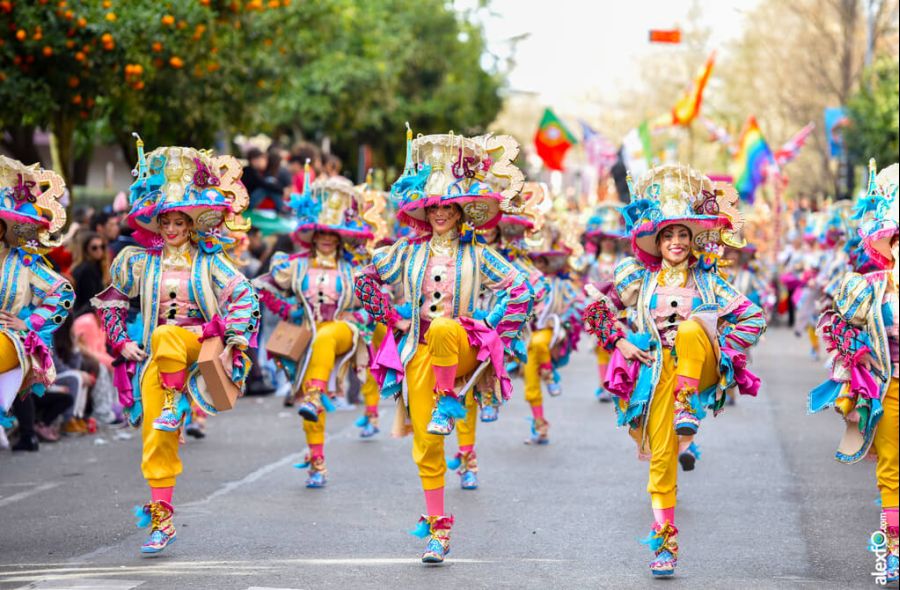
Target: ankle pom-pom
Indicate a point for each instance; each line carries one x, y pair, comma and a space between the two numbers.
143, 517
455, 462
422, 530
450, 406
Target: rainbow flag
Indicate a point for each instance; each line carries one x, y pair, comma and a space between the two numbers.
752, 161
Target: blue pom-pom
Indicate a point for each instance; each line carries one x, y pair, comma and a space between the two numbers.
454, 463
362, 421
654, 540
143, 517
327, 403
304, 465
451, 407
693, 448
422, 530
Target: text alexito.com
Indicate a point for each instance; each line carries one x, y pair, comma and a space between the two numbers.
878, 545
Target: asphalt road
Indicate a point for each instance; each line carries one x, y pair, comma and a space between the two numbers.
767, 506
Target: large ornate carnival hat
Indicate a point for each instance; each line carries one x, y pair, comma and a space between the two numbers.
521, 212
29, 205
330, 205
476, 173
549, 243
605, 222
674, 194
878, 214
207, 188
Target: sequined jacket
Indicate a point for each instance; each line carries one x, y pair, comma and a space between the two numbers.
216, 286
858, 301
35, 293
740, 323
282, 291
476, 265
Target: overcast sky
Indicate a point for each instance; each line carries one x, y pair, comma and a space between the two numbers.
578, 48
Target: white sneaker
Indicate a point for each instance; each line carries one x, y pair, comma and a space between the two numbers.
4, 442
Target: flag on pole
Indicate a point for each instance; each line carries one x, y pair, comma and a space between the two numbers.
791, 148
719, 134
688, 106
553, 140
601, 153
637, 150
752, 161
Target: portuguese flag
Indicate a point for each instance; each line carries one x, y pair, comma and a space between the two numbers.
553, 140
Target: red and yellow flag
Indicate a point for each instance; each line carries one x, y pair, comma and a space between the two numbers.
553, 140
688, 106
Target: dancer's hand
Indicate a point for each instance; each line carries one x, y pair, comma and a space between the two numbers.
633, 353
402, 325
132, 352
12, 322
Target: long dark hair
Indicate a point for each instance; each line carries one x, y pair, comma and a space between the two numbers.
82, 254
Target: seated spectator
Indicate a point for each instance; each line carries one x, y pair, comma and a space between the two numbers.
37, 416
90, 338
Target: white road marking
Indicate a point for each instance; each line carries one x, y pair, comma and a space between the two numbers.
249, 478
27, 493
65, 583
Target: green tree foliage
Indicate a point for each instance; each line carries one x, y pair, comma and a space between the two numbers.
875, 131
183, 72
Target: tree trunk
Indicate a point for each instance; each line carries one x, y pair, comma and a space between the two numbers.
19, 142
64, 132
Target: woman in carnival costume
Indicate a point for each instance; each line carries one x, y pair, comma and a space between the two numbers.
379, 209
34, 299
693, 329
507, 238
189, 291
443, 352
555, 328
603, 235
861, 336
321, 279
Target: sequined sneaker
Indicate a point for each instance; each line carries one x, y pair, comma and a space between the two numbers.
663, 541
686, 420
539, 432
158, 515
490, 413
437, 529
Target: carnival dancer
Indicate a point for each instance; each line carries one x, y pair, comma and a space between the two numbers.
321, 277
34, 299
693, 329
189, 291
603, 236
861, 337
443, 352
554, 330
507, 239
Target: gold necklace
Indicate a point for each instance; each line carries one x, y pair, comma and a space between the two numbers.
673, 276
177, 256
326, 260
442, 245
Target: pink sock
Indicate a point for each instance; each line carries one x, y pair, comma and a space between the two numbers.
434, 502
372, 411
444, 377
162, 494
892, 519
466, 448
537, 411
316, 451
664, 515
174, 381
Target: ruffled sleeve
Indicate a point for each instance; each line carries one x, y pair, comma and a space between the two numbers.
275, 288
237, 300
513, 308
54, 298
627, 279
125, 284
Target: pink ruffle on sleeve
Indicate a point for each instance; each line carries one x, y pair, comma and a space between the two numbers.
488, 345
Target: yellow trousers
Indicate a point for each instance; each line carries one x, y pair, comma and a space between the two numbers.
9, 360
333, 339
813, 337
694, 358
172, 349
602, 356
446, 345
538, 354
886, 445
370, 391
465, 429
